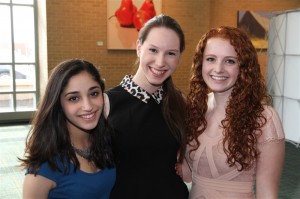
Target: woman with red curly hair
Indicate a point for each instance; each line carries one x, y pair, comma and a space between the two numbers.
236, 140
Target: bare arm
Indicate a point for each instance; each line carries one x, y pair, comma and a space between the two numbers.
269, 168
271, 159
186, 171
106, 105
37, 187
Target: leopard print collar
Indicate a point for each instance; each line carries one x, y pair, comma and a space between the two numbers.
140, 93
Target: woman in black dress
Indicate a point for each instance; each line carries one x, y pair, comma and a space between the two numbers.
147, 113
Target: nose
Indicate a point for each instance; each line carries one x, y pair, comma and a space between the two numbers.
218, 67
160, 60
87, 104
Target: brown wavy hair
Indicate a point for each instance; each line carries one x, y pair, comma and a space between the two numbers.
244, 118
49, 138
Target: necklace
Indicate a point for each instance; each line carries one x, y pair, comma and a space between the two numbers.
85, 153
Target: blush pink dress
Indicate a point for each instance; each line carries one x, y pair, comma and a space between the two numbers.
211, 176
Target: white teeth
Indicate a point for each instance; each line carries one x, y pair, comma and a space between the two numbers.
218, 78
157, 72
87, 116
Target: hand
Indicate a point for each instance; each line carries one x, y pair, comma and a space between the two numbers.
178, 168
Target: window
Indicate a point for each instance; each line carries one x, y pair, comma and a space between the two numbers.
18, 59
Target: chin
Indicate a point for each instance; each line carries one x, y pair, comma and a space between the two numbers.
157, 81
156, 84
90, 127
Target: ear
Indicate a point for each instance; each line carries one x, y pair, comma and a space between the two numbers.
138, 47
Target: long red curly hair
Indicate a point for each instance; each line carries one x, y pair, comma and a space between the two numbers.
244, 118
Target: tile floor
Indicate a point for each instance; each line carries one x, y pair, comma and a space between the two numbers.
12, 143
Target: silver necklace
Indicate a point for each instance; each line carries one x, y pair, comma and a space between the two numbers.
85, 153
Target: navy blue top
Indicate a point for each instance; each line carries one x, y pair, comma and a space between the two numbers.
80, 184
145, 147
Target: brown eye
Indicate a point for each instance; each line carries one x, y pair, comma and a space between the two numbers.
153, 50
172, 53
73, 98
95, 93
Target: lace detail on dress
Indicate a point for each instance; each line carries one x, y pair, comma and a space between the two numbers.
272, 140
273, 130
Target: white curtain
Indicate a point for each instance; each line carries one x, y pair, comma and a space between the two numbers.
283, 70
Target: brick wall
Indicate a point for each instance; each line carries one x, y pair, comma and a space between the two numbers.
74, 27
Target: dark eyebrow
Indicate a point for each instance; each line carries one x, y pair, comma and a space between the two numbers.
76, 92
71, 93
154, 46
94, 87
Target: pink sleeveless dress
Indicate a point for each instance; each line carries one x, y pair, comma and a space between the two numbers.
211, 176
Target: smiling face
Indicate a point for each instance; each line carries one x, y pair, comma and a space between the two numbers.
82, 102
159, 56
220, 67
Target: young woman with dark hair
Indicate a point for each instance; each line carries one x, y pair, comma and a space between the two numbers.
69, 148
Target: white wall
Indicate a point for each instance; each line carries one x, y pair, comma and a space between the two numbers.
283, 70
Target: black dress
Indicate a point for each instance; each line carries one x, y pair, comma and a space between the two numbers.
146, 149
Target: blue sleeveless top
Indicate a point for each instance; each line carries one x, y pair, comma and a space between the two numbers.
79, 184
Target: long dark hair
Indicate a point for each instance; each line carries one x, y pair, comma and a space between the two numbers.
173, 102
244, 118
49, 138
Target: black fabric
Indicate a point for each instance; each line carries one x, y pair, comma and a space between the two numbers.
146, 150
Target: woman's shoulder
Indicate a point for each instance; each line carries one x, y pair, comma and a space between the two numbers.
272, 115
114, 89
269, 110
48, 172
273, 129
